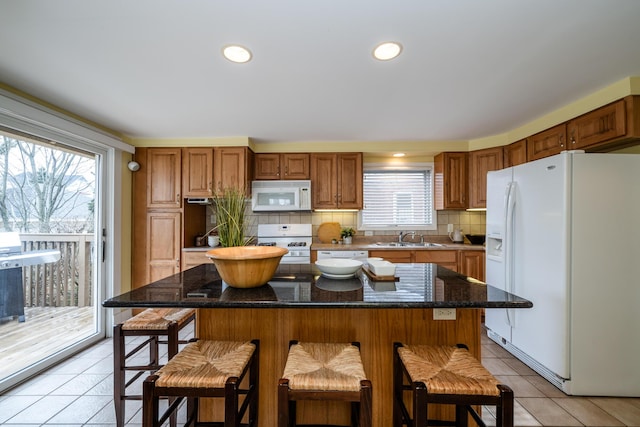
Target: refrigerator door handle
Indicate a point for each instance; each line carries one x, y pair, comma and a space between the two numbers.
508, 243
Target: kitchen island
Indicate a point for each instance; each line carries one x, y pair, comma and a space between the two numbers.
299, 303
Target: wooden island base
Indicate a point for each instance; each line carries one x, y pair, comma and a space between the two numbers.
375, 328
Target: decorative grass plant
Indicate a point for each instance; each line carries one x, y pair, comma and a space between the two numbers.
230, 217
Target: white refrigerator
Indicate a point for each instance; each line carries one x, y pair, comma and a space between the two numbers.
564, 232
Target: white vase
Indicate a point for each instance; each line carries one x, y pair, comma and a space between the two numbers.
213, 241
347, 240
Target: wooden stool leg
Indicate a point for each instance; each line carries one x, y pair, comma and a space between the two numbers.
397, 388
231, 403
118, 374
283, 403
504, 411
254, 384
150, 406
462, 419
366, 407
420, 410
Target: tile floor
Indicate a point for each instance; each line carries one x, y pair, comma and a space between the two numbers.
79, 392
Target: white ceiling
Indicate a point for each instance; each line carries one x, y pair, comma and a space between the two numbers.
469, 68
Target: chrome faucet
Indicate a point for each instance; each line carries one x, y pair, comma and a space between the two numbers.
402, 235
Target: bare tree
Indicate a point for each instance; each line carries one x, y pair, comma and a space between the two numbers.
51, 185
5, 147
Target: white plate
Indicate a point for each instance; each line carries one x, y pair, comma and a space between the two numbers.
338, 276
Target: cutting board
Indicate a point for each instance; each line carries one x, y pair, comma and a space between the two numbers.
329, 231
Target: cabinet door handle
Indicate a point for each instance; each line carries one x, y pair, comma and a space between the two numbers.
561, 140
286, 170
573, 137
178, 198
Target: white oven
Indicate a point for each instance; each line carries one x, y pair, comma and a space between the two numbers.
270, 196
296, 238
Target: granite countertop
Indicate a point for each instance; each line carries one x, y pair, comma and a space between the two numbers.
295, 286
373, 246
370, 246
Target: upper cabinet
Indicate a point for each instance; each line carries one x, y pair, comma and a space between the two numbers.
197, 172
282, 166
164, 182
611, 127
481, 162
451, 180
336, 180
514, 154
547, 143
602, 125
232, 167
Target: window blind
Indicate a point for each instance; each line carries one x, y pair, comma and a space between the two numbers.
397, 198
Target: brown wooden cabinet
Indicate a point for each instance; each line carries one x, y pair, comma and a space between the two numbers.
163, 244
514, 154
547, 143
193, 258
232, 167
164, 184
599, 126
197, 172
451, 182
481, 162
398, 256
448, 259
445, 258
336, 180
472, 264
270, 166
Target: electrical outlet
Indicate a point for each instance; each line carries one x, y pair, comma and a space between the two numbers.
449, 228
444, 314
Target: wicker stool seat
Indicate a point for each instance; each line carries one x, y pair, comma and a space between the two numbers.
445, 375
206, 369
159, 326
324, 371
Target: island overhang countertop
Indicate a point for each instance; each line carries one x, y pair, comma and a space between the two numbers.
294, 286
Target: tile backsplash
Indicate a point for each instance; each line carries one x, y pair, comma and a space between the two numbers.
469, 222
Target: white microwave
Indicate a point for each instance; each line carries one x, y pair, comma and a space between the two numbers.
280, 196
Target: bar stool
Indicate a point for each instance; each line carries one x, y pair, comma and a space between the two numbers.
445, 375
160, 326
206, 369
324, 371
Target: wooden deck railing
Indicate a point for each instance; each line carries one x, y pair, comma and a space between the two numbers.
68, 282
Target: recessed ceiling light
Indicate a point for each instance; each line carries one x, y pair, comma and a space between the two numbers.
398, 155
237, 53
387, 50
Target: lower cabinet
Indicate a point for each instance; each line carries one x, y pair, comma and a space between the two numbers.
472, 264
393, 255
164, 244
193, 258
448, 259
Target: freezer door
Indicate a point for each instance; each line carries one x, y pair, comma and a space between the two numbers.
498, 184
540, 260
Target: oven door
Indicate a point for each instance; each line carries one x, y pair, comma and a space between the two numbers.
296, 257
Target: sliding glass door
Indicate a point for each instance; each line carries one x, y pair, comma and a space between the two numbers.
52, 195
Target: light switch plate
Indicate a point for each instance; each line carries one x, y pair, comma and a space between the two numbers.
449, 228
444, 314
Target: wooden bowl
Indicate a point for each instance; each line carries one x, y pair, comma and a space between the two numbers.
246, 266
